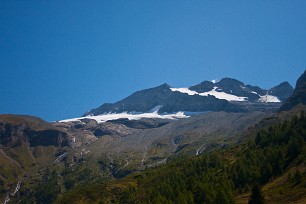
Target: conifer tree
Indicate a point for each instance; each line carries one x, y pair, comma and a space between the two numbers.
256, 196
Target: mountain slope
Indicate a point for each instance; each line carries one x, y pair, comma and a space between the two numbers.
273, 160
298, 96
191, 136
26, 143
120, 150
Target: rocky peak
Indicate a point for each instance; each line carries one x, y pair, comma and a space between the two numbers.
283, 91
298, 96
203, 87
164, 86
230, 83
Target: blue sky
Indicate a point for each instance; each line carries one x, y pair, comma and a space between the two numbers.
62, 58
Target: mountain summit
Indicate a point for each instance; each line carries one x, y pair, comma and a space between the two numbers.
228, 95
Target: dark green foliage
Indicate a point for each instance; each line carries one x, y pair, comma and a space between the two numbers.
256, 196
297, 177
275, 149
195, 183
88, 193
47, 190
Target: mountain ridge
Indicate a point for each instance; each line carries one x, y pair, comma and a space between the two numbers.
205, 96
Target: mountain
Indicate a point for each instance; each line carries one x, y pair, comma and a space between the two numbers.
228, 95
168, 100
298, 96
273, 159
27, 143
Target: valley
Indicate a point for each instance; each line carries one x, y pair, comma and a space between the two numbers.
205, 143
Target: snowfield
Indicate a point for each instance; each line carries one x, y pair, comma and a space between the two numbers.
185, 90
115, 116
213, 92
223, 95
269, 99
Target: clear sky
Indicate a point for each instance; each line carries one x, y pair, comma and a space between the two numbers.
59, 59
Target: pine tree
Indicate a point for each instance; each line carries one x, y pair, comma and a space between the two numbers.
256, 196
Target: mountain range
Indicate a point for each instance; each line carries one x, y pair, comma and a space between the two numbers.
152, 127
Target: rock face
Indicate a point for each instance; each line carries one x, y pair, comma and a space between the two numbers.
206, 96
18, 130
145, 123
298, 96
26, 143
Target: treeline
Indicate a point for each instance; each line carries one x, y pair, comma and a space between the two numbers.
213, 178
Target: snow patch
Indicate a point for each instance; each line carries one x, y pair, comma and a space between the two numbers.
115, 116
269, 99
213, 92
223, 95
185, 90
214, 81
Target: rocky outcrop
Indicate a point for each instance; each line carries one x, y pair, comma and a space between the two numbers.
88, 129
145, 123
